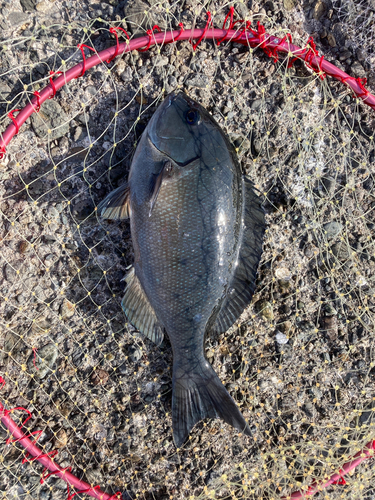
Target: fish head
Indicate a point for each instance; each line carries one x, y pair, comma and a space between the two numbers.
179, 128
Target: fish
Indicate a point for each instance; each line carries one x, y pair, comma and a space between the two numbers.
197, 226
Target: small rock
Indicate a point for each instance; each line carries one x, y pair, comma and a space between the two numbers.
28, 4
18, 18
138, 21
11, 345
41, 325
172, 81
326, 186
78, 134
319, 10
141, 99
256, 105
67, 309
91, 89
197, 80
330, 310
11, 272
42, 360
127, 74
281, 338
5, 90
331, 40
361, 55
61, 438
341, 251
283, 273
99, 377
329, 327
23, 246
332, 229
43, 6
94, 476
367, 417
289, 4
358, 70
161, 61
135, 354
50, 117
265, 309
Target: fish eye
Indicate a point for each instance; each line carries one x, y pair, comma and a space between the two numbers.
192, 116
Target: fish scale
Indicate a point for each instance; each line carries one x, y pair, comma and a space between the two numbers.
197, 228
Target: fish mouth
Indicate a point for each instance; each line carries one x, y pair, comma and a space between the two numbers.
179, 163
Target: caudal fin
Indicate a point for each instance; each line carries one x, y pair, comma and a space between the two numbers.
200, 394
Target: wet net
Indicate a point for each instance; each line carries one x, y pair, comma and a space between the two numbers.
300, 361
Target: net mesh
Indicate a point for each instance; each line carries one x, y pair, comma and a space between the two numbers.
299, 362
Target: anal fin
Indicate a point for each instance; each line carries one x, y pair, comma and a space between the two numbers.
139, 311
116, 205
242, 285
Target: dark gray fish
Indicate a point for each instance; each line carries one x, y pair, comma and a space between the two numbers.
197, 228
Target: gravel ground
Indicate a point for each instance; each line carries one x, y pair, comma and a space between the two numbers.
300, 361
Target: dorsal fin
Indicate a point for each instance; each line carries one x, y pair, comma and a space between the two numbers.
116, 204
139, 311
242, 286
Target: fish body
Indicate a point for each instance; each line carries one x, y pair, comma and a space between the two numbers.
197, 228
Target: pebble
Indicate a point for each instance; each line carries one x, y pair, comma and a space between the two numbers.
67, 309
329, 326
264, 308
197, 80
28, 4
341, 251
43, 359
331, 40
41, 325
283, 273
326, 186
256, 105
281, 338
18, 18
289, 4
358, 70
135, 354
99, 377
61, 438
51, 116
319, 10
161, 61
5, 90
44, 7
332, 229
127, 74
10, 272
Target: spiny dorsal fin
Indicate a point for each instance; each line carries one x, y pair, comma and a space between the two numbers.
242, 286
139, 311
116, 204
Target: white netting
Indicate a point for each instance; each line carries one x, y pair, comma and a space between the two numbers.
300, 362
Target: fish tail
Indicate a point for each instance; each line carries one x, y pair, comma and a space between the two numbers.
199, 394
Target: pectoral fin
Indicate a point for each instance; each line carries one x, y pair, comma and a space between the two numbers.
156, 183
242, 285
139, 310
117, 204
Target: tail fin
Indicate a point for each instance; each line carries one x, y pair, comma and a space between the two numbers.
199, 394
